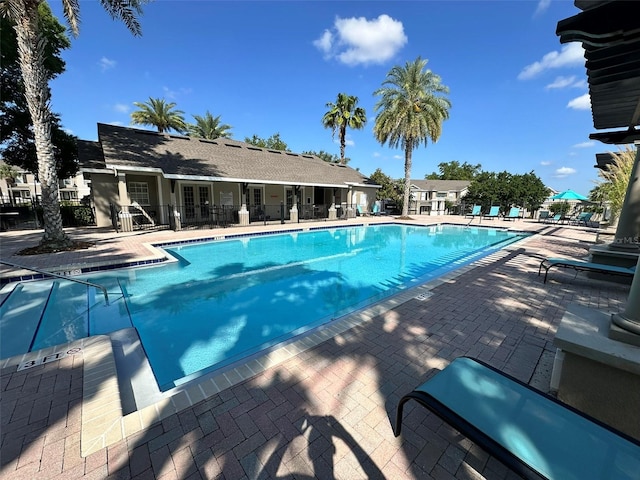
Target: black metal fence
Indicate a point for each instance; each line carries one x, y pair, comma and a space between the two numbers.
213, 216
30, 217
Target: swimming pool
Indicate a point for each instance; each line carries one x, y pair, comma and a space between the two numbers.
224, 300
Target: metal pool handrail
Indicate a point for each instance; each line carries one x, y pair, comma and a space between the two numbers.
57, 275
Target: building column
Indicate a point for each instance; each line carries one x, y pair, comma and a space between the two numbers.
332, 209
126, 222
243, 214
627, 235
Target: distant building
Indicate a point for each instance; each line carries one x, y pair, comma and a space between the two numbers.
430, 197
24, 189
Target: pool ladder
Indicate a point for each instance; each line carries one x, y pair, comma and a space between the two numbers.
64, 277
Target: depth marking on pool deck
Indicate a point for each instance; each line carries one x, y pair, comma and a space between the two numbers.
48, 358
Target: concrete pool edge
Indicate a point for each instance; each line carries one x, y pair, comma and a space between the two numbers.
103, 423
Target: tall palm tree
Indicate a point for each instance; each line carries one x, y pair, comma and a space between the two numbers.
208, 127
411, 110
31, 51
160, 114
342, 114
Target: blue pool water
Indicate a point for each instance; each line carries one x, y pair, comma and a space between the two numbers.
224, 300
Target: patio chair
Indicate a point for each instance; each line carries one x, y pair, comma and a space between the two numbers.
513, 214
532, 433
557, 218
544, 214
376, 209
582, 219
580, 265
494, 211
475, 212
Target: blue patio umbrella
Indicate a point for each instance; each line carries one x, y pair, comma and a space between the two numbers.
569, 195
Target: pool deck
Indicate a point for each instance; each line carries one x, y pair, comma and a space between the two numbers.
320, 408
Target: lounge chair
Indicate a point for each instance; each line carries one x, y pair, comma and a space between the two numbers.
513, 214
532, 433
580, 265
557, 218
475, 212
376, 209
581, 219
544, 214
494, 211
361, 212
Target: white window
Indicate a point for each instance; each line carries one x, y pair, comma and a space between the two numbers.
139, 192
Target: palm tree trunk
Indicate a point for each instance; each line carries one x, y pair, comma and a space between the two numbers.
408, 152
343, 141
31, 55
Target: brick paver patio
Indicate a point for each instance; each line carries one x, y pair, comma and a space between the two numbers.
325, 413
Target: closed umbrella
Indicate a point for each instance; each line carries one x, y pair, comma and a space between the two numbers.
569, 195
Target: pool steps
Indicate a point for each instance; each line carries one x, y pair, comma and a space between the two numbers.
44, 313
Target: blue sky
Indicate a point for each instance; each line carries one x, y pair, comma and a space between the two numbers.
519, 97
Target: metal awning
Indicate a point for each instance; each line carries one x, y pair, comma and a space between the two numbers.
610, 35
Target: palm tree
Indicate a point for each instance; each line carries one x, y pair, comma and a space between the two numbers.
31, 52
208, 127
343, 114
615, 181
411, 110
160, 114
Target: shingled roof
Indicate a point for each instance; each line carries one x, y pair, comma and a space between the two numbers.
223, 159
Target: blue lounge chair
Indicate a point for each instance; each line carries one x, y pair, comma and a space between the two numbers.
544, 214
530, 432
557, 218
475, 212
582, 219
494, 211
376, 209
513, 214
579, 265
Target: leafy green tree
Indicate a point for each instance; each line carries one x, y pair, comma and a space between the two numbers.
16, 128
612, 187
208, 127
160, 114
327, 157
274, 142
411, 110
454, 171
507, 190
342, 114
32, 44
391, 189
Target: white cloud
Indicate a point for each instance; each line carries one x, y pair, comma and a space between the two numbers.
172, 94
107, 64
564, 82
570, 55
121, 108
542, 7
117, 123
582, 102
563, 172
545, 163
584, 144
361, 41
398, 157
376, 154
68, 131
